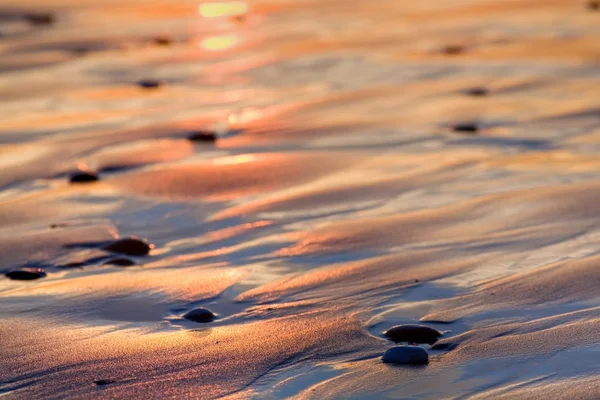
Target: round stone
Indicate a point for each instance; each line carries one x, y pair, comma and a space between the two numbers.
413, 334
131, 246
465, 128
83, 177
200, 314
150, 83
406, 355
26, 274
477, 91
202, 136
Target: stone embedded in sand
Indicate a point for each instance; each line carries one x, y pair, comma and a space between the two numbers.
150, 83
477, 91
39, 18
131, 246
26, 274
103, 382
83, 177
407, 355
413, 334
453, 50
120, 261
593, 5
161, 41
465, 128
200, 314
202, 136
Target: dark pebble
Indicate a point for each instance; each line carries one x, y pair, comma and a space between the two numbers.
83, 177
162, 41
593, 5
55, 226
413, 334
26, 274
150, 83
453, 50
103, 382
476, 92
200, 315
202, 136
39, 18
120, 261
465, 128
407, 355
131, 246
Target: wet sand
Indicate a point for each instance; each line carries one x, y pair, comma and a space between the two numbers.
375, 164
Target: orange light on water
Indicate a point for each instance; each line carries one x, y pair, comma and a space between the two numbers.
234, 160
223, 9
219, 43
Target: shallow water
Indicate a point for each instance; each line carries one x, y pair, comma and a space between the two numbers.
336, 203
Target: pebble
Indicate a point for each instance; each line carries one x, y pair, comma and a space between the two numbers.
39, 18
465, 128
83, 177
26, 274
413, 334
102, 382
453, 50
200, 314
478, 91
150, 83
131, 246
593, 5
407, 355
202, 136
162, 41
120, 261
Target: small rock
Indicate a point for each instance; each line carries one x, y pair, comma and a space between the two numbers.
465, 128
200, 314
202, 136
120, 261
150, 83
478, 91
408, 355
453, 50
593, 5
103, 382
39, 18
55, 226
162, 41
413, 334
131, 246
83, 177
26, 274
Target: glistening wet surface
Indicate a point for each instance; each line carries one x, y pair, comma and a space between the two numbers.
237, 199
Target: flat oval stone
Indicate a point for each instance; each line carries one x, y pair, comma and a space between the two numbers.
104, 382
39, 18
202, 136
453, 50
407, 355
26, 274
162, 41
131, 246
413, 334
465, 128
150, 83
477, 91
83, 177
593, 5
200, 314
120, 261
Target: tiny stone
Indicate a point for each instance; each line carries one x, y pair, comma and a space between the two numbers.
202, 136
409, 355
162, 41
120, 261
26, 274
453, 50
132, 246
476, 91
413, 334
593, 5
200, 314
465, 128
83, 177
150, 83
102, 382
39, 18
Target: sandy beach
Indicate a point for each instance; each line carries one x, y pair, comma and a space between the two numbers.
237, 199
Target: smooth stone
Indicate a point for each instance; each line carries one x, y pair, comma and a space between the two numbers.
200, 314
26, 274
162, 41
39, 18
131, 246
150, 83
407, 355
120, 261
453, 50
465, 128
103, 382
476, 92
202, 136
83, 177
593, 5
413, 334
